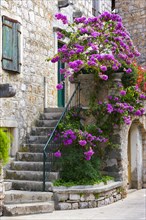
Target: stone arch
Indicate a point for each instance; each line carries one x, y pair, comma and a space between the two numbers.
132, 147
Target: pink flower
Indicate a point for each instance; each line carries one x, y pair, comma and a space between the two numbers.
88, 154
104, 77
59, 86
123, 92
82, 142
57, 154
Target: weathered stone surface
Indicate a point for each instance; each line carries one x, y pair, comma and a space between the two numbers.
74, 197
83, 205
100, 203
87, 197
61, 197
75, 205
133, 14
64, 206
92, 204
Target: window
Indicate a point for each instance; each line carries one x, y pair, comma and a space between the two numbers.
11, 44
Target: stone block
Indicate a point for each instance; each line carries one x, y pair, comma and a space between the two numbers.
74, 197
107, 201
75, 205
118, 197
64, 206
92, 204
83, 205
61, 197
87, 197
100, 203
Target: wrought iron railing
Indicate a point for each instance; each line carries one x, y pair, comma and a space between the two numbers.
49, 162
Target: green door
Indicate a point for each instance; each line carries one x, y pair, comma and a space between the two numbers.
61, 93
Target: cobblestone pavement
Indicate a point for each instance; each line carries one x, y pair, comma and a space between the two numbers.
131, 208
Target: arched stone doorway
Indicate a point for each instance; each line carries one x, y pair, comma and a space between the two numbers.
135, 157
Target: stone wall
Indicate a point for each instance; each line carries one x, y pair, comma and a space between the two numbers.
81, 197
133, 13
36, 18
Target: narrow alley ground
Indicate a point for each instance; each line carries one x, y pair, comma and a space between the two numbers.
131, 208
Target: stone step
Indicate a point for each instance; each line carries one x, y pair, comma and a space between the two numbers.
46, 123
37, 139
30, 175
26, 156
28, 208
24, 165
36, 148
7, 186
18, 196
29, 185
50, 116
53, 110
42, 131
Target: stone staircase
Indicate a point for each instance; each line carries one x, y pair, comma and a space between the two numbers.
24, 177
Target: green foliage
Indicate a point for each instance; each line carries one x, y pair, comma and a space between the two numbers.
72, 120
130, 79
75, 167
100, 179
4, 146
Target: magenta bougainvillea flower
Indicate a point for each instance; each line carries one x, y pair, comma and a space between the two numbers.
100, 43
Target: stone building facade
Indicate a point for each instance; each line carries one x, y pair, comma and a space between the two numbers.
133, 13
36, 83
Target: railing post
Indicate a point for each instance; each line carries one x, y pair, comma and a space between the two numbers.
44, 172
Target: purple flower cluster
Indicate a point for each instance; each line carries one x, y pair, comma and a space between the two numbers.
116, 47
88, 154
76, 65
61, 17
68, 137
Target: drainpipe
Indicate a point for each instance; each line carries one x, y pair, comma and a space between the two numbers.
45, 92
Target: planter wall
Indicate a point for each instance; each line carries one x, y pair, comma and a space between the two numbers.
1, 190
80, 197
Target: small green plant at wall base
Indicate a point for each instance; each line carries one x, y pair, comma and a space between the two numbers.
98, 180
5, 140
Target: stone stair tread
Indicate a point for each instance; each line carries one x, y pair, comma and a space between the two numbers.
27, 165
29, 185
30, 175
60, 109
21, 196
28, 208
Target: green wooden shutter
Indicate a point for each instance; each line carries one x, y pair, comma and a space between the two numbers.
11, 45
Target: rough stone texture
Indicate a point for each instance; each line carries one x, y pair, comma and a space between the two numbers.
133, 13
64, 206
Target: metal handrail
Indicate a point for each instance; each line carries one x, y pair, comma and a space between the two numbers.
45, 152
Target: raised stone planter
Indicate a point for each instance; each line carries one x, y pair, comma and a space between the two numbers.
80, 197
